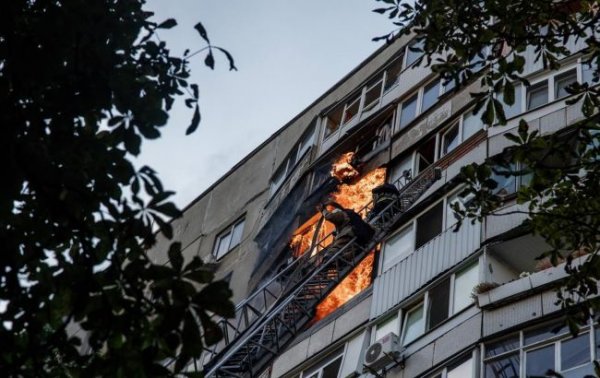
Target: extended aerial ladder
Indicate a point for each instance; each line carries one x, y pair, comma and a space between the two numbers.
279, 310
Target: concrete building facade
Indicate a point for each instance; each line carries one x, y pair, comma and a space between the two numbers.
395, 114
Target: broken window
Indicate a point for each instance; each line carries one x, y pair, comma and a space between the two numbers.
425, 155
351, 109
392, 73
429, 225
333, 120
228, 239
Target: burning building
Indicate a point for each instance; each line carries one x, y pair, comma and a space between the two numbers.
404, 305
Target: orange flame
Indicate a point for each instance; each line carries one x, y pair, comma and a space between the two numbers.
353, 196
355, 282
342, 169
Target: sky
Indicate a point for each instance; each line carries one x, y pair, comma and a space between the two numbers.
288, 53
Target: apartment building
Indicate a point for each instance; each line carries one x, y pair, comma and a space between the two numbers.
422, 300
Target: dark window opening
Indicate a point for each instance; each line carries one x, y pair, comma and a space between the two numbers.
429, 225
439, 301
425, 155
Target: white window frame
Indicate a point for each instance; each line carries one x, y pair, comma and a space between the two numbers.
297, 152
423, 304
419, 94
555, 340
228, 231
474, 368
319, 366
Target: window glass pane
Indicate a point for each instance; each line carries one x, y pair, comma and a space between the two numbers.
588, 73
507, 367
393, 73
306, 142
414, 325
412, 56
236, 236
575, 352
389, 325
430, 95
586, 370
429, 225
562, 81
502, 346
351, 109
463, 287
372, 96
514, 109
223, 245
539, 361
409, 111
464, 370
398, 247
277, 179
472, 123
537, 95
334, 119
450, 140
332, 370
544, 333
506, 184
439, 299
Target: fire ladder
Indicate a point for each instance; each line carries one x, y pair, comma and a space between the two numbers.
279, 310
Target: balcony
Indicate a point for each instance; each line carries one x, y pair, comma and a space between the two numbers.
423, 265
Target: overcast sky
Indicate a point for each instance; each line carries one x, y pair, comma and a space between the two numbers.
288, 53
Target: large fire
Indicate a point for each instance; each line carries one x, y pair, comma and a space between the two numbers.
353, 193
355, 282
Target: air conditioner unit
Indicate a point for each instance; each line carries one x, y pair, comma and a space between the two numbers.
383, 352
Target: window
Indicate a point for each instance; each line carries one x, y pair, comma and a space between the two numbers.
387, 326
450, 139
464, 368
392, 73
587, 72
562, 82
430, 95
333, 120
540, 349
373, 94
537, 95
464, 282
409, 111
426, 155
429, 225
439, 299
414, 324
228, 239
398, 247
327, 368
471, 123
411, 54
351, 109
288, 165
506, 183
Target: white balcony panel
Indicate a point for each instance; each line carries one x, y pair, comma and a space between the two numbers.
420, 267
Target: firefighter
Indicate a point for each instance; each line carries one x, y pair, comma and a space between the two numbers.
348, 225
383, 195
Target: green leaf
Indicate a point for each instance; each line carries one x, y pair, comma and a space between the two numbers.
202, 31
167, 24
195, 121
210, 60
175, 256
